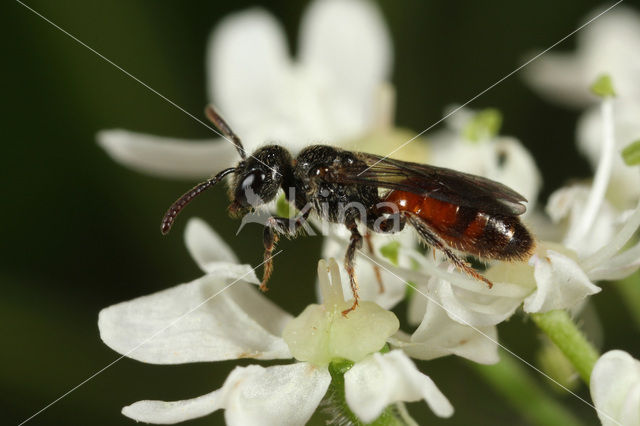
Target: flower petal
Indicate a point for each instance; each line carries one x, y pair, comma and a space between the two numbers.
167, 157
610, 44
469, 301
619, 266
253, 395
438, 335
380, 380
561, 283
615, 388
205, 245
163, 412
248, 67
554, 76
473, 308
280, 395
567, 206
347, 45
198, 321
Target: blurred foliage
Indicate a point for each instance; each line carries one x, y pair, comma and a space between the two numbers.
81, 232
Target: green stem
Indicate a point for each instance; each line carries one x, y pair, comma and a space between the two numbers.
338, 403
629, 287
562, 331
514, 383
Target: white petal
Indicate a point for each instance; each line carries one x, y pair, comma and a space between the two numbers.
165, 413
347, 45
619, 266
380, 380
630, 414
198, 321
610, 44
473, 308
205, 245
438, 335
248, 67
561, 283
559, 77
280, 395
566, 205
416, 308
168, 157
515, 167
253, 395
615, 387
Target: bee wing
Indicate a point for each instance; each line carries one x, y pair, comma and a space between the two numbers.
446, 185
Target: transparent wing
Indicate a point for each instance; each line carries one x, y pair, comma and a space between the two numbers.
446, 185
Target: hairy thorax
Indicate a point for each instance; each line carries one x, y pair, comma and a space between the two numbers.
334, 202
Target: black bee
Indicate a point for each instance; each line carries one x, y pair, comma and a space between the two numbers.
449, 210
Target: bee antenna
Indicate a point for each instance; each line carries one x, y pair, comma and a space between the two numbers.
222, 125
181, 203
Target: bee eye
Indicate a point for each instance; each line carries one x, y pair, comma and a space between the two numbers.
248, 193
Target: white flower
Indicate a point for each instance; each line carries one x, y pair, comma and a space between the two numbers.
609, 45
329, 94
206, 333
221, 316
615, 389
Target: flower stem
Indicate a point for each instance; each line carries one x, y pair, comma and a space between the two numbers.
562, 331
512, 381
337, 403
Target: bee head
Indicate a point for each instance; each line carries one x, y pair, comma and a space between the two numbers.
257, 179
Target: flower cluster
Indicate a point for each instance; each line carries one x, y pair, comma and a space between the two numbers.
609, 45
222, 316
596, 217
337, 90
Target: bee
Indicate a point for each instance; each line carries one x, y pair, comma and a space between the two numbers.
451, 211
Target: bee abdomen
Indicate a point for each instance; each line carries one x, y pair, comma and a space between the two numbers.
468, 229
501, 237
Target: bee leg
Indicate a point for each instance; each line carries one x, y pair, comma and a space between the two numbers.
274, 226
389, 224
434, 241
270, 238
355, 243
376, 268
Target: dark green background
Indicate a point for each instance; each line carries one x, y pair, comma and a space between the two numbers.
80, 232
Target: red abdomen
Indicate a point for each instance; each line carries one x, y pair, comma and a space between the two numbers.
468, 229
